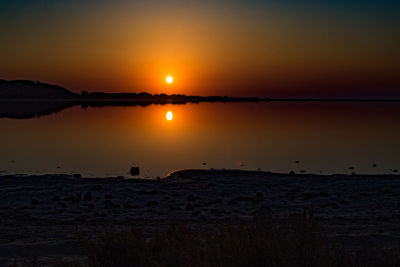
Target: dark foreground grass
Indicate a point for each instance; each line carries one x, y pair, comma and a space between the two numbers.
259, 243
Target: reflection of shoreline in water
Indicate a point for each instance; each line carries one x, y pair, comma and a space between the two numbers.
31, 108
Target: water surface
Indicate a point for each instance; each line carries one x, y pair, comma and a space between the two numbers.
323, 137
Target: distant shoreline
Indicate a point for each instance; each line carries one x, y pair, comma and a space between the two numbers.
25, 108
331, 100
190, 99
35, 91
29, 99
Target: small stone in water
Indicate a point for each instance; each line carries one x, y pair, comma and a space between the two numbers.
135, 171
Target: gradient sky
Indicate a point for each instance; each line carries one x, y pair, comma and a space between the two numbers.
264, 48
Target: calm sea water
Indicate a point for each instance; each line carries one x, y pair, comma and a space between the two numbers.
323, 137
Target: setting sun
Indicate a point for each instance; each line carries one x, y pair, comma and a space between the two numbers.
169, 79
169, 115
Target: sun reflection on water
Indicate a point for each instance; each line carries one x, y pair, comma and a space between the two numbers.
169, 115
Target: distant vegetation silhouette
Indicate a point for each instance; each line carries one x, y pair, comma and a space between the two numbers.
33, 90
29, 99
23, 99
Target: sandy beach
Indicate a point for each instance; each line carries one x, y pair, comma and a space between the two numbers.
44, 214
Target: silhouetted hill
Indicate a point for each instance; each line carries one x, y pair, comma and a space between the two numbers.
22, 89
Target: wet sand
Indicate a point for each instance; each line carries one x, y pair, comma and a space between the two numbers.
45, 214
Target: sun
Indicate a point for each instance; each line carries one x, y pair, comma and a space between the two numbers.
169, 79
169, 116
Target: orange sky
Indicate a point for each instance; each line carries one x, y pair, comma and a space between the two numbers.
209, 49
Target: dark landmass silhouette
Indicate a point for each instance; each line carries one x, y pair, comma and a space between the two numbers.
30, 89
33, 91
22, 99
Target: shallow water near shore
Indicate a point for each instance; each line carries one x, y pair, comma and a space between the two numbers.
279, 137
